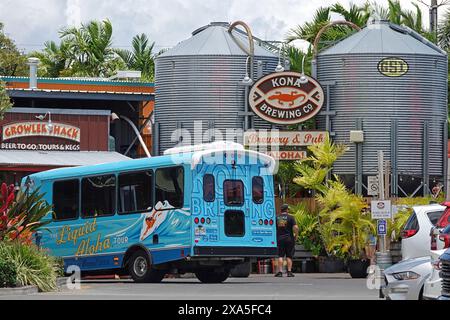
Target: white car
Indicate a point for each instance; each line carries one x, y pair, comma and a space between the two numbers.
416, 233
432, 287
405, 280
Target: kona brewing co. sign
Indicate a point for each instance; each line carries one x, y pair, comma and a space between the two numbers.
282, 98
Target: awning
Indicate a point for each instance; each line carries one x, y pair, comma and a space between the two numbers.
13, 158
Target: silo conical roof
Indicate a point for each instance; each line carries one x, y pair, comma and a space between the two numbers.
214, 39
386, 38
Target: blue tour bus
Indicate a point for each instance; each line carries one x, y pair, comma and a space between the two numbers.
204, 209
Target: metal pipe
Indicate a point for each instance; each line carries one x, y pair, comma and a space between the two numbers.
136, 131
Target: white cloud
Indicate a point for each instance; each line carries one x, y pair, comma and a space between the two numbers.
167, 22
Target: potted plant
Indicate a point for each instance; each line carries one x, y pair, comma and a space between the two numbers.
308, 236
350, 226
313, 173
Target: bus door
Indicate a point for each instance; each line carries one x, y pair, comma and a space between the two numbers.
221, 202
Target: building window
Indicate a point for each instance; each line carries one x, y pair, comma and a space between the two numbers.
258, 190
209, 191
233, 192
135, 192
98, 196
169, 186
66, 199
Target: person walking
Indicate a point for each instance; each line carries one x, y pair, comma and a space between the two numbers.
287, 233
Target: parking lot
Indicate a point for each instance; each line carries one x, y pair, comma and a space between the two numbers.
256, 287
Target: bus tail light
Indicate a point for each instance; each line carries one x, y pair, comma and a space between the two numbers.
271, 222
196, 220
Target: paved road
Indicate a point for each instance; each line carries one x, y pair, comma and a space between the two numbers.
256, 287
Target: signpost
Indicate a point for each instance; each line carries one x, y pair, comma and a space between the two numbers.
381, 209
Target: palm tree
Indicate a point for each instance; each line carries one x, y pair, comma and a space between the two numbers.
91, 47
55, 59
444, 32
141, 57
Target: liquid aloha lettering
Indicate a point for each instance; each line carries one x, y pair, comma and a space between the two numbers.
85, 247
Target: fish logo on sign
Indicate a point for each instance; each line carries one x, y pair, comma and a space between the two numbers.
286, 97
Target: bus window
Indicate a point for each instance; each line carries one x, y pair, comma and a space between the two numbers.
258, 190
209, 192
169, 186
98, 196
135, 192
66, 199
233, 191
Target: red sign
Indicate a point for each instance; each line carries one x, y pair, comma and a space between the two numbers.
286, 97
33, 128
287, 154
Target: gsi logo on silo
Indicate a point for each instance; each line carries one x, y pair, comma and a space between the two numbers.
286, 97
393, 67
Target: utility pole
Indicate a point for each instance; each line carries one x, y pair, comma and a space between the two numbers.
382, 193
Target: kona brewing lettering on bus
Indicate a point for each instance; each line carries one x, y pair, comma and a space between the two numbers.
286, 97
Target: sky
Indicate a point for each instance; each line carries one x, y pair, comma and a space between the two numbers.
167, 22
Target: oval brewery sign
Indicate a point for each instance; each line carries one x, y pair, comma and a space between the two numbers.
283, 97
393, 67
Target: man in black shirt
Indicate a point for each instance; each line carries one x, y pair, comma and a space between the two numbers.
287, 233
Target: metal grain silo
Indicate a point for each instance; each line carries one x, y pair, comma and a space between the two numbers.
200, 80
391, 83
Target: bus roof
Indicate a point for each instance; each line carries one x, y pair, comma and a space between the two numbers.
125, 165
184, 158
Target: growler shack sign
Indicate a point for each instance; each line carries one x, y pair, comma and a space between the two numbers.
40, 136
283, 97
28, 129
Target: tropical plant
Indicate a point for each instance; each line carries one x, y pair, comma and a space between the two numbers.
91, 49
21, 215
54, 59
32, 265
5, 100
141, 57
12, 61
8, 274
285, 176
347, 223
308, 225
314, 169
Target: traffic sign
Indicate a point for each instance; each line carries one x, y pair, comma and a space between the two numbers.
381, 209
382, 227
372, 186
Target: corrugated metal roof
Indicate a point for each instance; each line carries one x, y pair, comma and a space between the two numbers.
214, 39
58, 158
79, 91
383, 37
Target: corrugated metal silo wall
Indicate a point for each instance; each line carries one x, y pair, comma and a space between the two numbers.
207, 88
362, 92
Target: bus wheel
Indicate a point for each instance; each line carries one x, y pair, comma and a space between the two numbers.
141, 270
210, 276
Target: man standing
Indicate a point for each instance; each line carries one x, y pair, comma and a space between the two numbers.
287, 233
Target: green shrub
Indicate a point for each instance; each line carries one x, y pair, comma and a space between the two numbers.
32, 265
8, 274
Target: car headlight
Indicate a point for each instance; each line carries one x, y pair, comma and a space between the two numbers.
407, 275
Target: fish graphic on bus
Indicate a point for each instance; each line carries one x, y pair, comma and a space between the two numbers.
154, 219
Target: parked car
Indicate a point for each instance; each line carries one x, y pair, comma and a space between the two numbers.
445, 275
432, 286
416, 233
440, 238
405, 280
